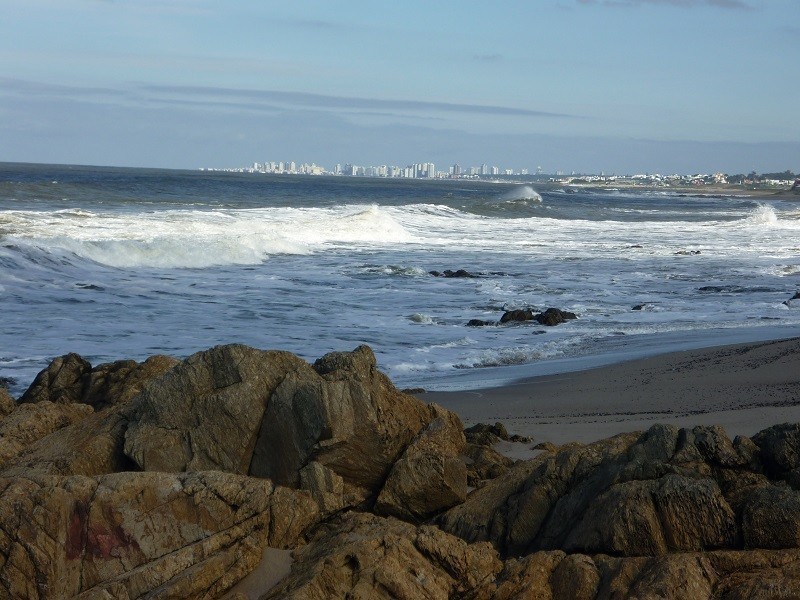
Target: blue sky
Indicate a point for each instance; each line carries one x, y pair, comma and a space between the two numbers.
586, 85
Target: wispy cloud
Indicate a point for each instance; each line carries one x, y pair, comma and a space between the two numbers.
323, 101
730, 4
487, 57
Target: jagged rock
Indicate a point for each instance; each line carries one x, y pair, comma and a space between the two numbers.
364, 556
60, 382
554, 316
631, 494
205, 413
483, 463
118, 382
29, 423
771, 518
132, 534
780, 449
91, 446
517, 315
325, 486
71, 379
7, 403
429, 477
343, 414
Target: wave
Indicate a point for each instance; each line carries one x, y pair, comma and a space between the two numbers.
196, 239
521, 193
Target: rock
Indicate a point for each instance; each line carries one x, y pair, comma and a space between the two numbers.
429, 477
554, 316
132, 534
345, 415
634, 494
637, 518
30, 423
576, 577
364, 556
483, 463
60, 382
687, 252
480, 323
325, 486
7, 403
118, 382
780, 449
7, 382
498, 430
517, 315
90, 446
771, 518
448, 273
71, 379
413, 391
638, 307
205, 413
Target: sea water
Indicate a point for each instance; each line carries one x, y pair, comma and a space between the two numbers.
126, 263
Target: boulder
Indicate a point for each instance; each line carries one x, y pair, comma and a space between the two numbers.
205, 413
132, 534
60, 382
484, 463
365, 556
118, 382
90, 446
30, 423
554, 316
770, 518
480, 323
71, 379
430, 476
517, 316
460, 273
345, 415
780, 449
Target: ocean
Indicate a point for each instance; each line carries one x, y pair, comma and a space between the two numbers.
116, 263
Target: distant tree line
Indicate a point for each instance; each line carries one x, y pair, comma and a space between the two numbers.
755, 177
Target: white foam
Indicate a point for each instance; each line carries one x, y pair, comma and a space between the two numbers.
195, 239
523, 192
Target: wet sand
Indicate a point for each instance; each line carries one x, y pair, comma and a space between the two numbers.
743, 387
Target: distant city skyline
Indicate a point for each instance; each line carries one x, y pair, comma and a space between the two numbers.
584, 85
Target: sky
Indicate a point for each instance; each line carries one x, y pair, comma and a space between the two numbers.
590, 86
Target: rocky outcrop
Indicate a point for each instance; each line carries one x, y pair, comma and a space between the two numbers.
343, 414
70, 379
518, 315
429, 476
364, 556
206, 412
667, 490
253, 459
129, 534
29, 423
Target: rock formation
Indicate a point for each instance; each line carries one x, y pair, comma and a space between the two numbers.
244, 473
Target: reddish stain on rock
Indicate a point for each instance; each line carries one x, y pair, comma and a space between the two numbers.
76, 530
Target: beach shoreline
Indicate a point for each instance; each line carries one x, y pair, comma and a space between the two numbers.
742, 387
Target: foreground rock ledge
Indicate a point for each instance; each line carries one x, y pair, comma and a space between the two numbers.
244, 473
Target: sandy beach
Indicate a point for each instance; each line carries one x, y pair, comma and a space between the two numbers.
743, 387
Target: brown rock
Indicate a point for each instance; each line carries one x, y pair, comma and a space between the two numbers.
91, 446
29, 423
575, 577
60, 382
205, 412
484, 463
364, 556
343, 414
118, 382
7, 403
429, 477
131, 534
771, 518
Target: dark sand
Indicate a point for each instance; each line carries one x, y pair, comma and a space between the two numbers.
743, 387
